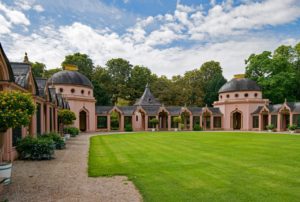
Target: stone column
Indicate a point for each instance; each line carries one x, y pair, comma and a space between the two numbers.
32, 126
259, 122
278, 122
146, 122
108, 122
291, 118
191, 122
157, 126
47, 119
133, 122
200, 121
42, 117
169, 122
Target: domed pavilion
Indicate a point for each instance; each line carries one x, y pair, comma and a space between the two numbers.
77, 89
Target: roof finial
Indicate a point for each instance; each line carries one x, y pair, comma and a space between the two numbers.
26, 60
285, 100
205, 105
147, 85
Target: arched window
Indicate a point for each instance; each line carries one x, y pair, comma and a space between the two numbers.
82, 92
255, 94
72, 90
227, 95
236, 95
61, 90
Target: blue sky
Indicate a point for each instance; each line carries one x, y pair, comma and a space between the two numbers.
168, 36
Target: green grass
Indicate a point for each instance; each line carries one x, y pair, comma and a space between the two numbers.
202, 166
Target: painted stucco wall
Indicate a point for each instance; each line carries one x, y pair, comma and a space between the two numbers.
80, 98
245, 102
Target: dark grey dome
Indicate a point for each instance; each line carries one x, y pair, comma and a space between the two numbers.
239, 84
70, 77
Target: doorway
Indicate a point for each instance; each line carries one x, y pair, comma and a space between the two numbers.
237, 121
82, 121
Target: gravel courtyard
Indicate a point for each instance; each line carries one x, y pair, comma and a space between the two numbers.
65, 179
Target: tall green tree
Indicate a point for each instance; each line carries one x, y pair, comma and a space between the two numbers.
103, 86
212, 80
82, 61
120, 71
276, 73
38, 69
140, 76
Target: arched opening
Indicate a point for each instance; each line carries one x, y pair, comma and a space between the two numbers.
185, 117
265, 119
237, 120
115, 120
206, 116
140, 120
82, 121
285, 118
163, 120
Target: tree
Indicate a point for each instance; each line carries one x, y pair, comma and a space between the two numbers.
16, 109
154, 122
102, 83
50, 72
178, 121
38, 69
65, 117
276, 73
140, 76
82, 61
212, 80
120, 71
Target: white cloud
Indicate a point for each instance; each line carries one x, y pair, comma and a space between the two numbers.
14, 16
38, 8
228, 30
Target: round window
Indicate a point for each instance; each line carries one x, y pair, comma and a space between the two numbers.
61, 90
255, 94
227, 95
246, 95
72, 90
236, 95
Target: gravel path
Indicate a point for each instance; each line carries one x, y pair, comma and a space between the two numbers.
65, 179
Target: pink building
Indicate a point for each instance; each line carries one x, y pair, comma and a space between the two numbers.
240, 107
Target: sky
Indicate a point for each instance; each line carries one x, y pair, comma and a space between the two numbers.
168, 36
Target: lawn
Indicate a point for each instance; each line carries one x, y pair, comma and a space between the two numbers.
202, 166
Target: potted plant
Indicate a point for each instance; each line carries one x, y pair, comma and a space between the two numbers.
16, 109
178, 121
292, 128
154, 123
270, 127
66, 117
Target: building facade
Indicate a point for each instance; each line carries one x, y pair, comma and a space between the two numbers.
240, 106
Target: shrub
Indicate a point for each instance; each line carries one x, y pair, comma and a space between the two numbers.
128, 128
16, 109
30, 148
154, 122
177, 120
73, 131
292, 127
57, 139
270, 127
197, 127
66, 116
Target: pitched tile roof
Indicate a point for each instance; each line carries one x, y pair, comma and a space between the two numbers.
147, 99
